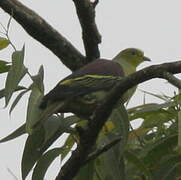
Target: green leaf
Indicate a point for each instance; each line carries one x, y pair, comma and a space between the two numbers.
38, 79
151, 119
52, 125
2, 91
112, 159
168, 168
40, 140
86, 171
160, 149
4, 43
55, 126
15, 74
44, 162
52, 133
4, 66
151, 107
150, 113
177, 99
70, 141
18, 132
32, 151
33, 110
172, 172
138, 163
17, 100
120, 119
179, 131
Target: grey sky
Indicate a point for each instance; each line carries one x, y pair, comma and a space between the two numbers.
151, 25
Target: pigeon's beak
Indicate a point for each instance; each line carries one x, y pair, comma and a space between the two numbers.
146, 58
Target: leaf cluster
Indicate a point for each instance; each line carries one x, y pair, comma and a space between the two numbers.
151, 152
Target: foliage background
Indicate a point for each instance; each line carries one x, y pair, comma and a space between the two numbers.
149, 25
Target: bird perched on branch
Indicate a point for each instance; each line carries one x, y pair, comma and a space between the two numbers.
83, 90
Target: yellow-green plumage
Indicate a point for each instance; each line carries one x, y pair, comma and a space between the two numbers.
82, 91
130, 59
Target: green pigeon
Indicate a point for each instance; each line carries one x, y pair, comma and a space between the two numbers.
82, 91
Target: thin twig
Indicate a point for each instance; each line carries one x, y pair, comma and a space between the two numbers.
40, 30
9, 22
3, 33
172, 79
3, 26
95, 3
6, 33
12, 174
13, 46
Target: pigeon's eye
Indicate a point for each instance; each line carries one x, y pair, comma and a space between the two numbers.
133, 53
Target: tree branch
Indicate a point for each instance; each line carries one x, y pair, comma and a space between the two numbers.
39, 29
91, 37
88, 138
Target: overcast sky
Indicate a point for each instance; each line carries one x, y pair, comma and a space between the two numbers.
151, 25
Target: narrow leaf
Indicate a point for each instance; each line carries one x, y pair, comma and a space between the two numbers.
120, 118
70, 141
55, 126
4, 66
20, 95
166, 169
2, 91
86, 171
138, 163
18, 132
38, 79
36, 143
15, 74
33, 110
4, 43
150, 107
109, 160
112, 159
44, 162
51, 126
162, 97
179, 131
32, 151
160, 149
172, 172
